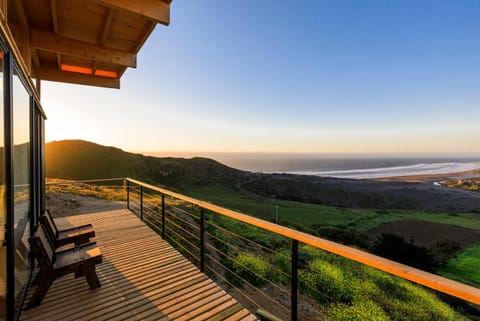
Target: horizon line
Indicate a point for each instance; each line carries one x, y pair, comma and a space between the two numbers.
477, 153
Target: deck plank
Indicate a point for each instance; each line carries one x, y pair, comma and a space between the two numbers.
142, 276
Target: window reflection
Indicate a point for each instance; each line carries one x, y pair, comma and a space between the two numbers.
3, 212
21, 159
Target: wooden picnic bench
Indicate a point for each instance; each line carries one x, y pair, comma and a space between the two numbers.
80, 260
77, 235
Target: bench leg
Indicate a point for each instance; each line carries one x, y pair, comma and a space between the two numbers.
78, 273
89, 271
37, 278
40, 292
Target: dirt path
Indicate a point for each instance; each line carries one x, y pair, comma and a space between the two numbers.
66, 204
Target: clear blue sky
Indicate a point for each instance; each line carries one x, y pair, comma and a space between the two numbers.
291, 76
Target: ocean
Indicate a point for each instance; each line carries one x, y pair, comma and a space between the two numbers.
341, 166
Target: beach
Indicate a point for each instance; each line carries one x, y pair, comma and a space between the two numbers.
431, 178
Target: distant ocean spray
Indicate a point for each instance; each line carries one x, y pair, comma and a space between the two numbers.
341, 166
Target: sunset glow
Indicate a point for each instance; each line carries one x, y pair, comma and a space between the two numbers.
328, 80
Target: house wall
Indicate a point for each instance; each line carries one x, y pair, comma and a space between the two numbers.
21, 162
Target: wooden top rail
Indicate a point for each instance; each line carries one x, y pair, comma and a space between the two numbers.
433, 281
119, 179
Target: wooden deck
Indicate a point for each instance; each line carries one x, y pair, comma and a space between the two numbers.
142, 276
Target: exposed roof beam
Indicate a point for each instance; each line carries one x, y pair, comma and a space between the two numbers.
104, 35
80, 49
53, 10
59, 61
35, 58
22, 17
156, 10
51, 73
106, 27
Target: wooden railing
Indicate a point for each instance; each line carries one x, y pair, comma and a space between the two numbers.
433, 281
137, 199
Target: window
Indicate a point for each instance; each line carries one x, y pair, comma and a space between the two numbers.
3, 210
21, 185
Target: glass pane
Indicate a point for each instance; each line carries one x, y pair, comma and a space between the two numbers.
42, 165
21, 155
3, 212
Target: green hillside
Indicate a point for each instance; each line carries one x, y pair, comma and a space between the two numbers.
353, 287
79, 160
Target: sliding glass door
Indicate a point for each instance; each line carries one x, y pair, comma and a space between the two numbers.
21, 180
21, 185
3, 209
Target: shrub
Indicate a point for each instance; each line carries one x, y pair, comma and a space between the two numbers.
349, 287
251, 268
328, 280
444, 250
403, 300
427, 305
345, 236
358, 311
282, 262
396, 248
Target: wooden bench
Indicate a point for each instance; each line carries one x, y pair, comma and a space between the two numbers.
77, 235
80, 260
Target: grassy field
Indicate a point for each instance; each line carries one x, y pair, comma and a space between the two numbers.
355, 288
464, 267
308, 214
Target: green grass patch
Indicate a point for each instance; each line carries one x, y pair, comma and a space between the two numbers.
352, 291
464, 267
307, 214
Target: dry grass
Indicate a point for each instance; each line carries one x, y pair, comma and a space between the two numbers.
98, 190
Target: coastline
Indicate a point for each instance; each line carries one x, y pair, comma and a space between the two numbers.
429, 178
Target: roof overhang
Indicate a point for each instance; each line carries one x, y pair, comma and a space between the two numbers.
88, 42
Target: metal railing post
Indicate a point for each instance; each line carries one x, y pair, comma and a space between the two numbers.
202, 239
141, 202
163, 216
294, 282
128, 194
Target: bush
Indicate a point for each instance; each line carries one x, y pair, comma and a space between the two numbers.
396, 248
251, 268
444, 250
345, 236
352, 289
328, 280
280, 261
358, 311
403, 300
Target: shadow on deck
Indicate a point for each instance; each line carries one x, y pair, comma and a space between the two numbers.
142, 276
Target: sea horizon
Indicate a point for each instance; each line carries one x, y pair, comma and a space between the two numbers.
341, 165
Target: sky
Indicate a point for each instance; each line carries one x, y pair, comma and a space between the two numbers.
307, 76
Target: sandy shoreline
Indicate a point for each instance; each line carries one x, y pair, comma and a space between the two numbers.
429, 178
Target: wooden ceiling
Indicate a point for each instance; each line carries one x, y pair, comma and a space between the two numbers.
89, 42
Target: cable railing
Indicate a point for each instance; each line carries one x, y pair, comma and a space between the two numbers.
221, 252
279, 272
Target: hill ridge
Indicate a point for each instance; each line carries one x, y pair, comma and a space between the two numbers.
79, 159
